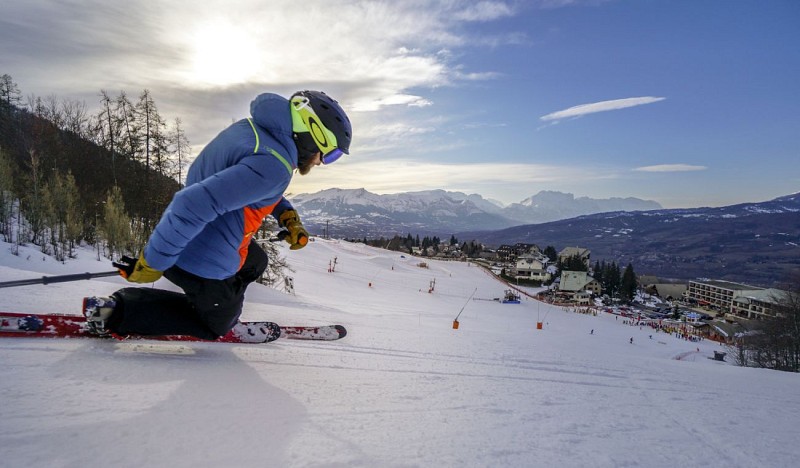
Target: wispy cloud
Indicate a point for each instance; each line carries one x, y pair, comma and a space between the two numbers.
671, 168
484, 11
603, 106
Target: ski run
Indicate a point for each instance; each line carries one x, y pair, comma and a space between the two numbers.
404, 388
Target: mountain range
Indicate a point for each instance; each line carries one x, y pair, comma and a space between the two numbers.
357, 213
753, 243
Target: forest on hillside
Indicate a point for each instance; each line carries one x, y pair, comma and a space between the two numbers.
68, 176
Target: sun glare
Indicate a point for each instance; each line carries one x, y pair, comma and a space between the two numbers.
221, 54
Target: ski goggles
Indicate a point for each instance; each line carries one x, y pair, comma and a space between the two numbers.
331, 156
305, 119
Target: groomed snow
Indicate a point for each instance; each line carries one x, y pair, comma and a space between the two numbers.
402, 389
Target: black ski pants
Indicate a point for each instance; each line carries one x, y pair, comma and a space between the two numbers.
207, 309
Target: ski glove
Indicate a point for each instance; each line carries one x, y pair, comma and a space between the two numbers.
295, 234
136, 271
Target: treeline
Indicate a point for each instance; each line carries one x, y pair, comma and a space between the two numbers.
430, 246
615, 282
67, 176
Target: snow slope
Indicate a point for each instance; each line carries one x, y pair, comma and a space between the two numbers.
402, 389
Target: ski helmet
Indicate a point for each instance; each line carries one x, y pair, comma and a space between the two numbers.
320, 124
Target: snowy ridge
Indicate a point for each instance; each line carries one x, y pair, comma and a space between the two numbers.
442, 212
402, 389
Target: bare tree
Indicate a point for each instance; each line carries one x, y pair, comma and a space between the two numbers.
180, 148
75, 117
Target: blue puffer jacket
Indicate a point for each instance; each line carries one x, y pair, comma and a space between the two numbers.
238, 179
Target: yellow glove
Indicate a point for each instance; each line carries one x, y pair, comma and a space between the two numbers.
137, 271
296, 234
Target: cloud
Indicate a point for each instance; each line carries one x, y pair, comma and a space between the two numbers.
603, 106
671, 168
206, 62
484, 11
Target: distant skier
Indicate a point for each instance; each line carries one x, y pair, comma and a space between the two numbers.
631, 340
203, 242
592, 332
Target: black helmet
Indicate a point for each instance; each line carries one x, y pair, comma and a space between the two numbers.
321, 117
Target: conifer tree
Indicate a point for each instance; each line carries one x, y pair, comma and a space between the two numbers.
33, 207
9, 91
116, 224
7, 195
627, 287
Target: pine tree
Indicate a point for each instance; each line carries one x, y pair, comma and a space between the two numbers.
7, 195
627, 288
9, 91
34, 207
551, 253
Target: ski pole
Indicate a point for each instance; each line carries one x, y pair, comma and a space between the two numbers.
57, 279
303, 239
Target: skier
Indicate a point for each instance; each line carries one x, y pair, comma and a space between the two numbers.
203, 241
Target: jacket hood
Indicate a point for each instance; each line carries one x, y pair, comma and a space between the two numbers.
272, 113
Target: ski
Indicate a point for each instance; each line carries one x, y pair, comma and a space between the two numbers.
13, 324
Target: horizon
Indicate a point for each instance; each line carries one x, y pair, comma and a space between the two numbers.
687, 104
505, 205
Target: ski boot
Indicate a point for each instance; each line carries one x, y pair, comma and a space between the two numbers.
97, 311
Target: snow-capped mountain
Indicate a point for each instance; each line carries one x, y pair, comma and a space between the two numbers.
358, 213
548, 206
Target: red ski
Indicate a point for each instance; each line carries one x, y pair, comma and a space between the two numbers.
13, 324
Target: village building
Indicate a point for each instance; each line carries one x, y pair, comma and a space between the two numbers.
758, 304
734, 299
578, 282
532, 266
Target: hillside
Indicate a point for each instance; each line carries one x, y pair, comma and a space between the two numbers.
24, 135
754, 243
402, 389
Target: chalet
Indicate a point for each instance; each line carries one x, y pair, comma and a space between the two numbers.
522, 249
504, 252
578, 282
532, 266
510, 252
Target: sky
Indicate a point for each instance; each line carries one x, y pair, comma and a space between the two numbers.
688, 103
402, 389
